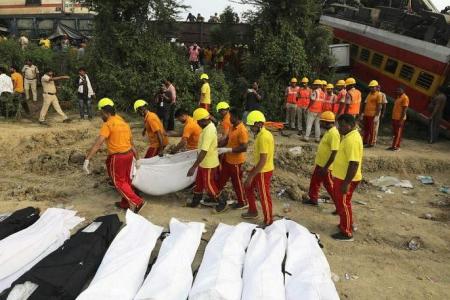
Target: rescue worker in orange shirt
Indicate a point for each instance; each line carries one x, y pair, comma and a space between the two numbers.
154, 129
371, 114
382, 113
340, 98
291, 95
207, 165
352, 98
330, 99
314, 110
236, 143
121, 152
260, 176
223, 108
326, 153
304, 94
191, 132
401, 105
346, 174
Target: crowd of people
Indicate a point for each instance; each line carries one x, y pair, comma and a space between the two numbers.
212, 19
214, 56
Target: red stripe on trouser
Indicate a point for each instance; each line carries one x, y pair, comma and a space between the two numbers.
119, 169
369, 130
317, 181
397, 130
261, 183
206, 181
151, 152
344, 205
235, 173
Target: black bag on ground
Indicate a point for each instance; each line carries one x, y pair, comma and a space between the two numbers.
19, 220
63, 274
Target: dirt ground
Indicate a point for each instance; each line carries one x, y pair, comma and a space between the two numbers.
36, 171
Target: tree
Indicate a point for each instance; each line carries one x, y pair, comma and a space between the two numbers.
223, 33
288, 41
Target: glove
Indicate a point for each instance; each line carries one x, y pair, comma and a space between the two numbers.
86, 166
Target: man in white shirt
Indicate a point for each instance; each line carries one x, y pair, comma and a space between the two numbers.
85, 94
6, 90
49, 95
30, 73
23, 41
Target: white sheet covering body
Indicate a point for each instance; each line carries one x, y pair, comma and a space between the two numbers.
171, 276
263, 277
124, 265
310, 277
220, 274
21, 251
163, 175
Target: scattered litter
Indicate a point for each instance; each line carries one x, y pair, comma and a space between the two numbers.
412, 202
347, 276
286, 207
431, 279
386, 181
361, 202
405, 192
425, 179
281, 192
354, 277
324, 200
444, 189
414, 244
334, 277
296, 151
379, 196
387, 191
428, 216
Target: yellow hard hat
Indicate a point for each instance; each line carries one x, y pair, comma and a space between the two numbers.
317, 82
324, 82
350, 81
373, 83
340, 83
255, 117
200, 114
305, 80
294, 79
330, 86
222, 105
204, 76
327, 116
105, 102
139, 103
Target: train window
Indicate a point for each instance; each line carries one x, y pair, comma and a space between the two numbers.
25, 23
406, 72
354, 50
364, 55
391, 66
425, 80
85, 24
32, 2
45, 24
377, 60
69, 23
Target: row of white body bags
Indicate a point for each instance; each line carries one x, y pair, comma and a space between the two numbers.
171, 276
21, 251
308, 275
220, 274
123, 267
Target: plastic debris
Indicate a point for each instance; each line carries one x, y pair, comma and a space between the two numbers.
281, 192
286, 207
444, 189
425, 179
347, 276
379, 196
361, 202
386, 181
428, 216
296, 151
414, 244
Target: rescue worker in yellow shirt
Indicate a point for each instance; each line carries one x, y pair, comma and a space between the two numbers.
154, 129
326, 153
206, 165
121, 152
205, 93
346, 174
260, 176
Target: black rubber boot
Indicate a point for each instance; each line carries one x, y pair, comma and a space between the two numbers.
195, 200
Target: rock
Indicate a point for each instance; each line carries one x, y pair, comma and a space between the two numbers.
414, 244
295, 193
77, 157
334, 277
428, 216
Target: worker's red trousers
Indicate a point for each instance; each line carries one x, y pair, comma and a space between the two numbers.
205, 106
369, 131
206, 180
344, 205
151, 152
235, 173
119, 169
261, 183
397, 131
316, 181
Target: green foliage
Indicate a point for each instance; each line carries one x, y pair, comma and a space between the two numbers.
223, 33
